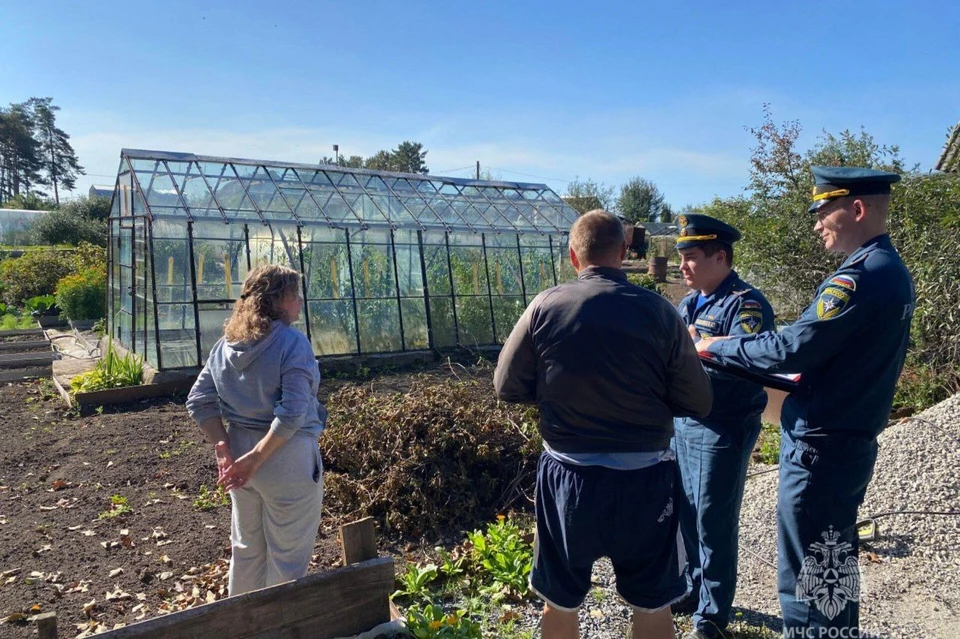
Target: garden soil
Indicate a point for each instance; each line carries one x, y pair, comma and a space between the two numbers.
59, 551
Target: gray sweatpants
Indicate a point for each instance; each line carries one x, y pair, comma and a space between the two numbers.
276, 514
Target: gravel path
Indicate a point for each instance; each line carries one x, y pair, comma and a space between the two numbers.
911, 573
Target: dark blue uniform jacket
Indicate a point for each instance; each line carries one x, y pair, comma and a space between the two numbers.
734, 308
849, 345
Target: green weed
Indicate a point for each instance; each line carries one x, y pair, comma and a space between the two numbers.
211, 499
112, 371
503, 558
118, 508
415, 582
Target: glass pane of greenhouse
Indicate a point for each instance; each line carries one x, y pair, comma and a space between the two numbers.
391, 262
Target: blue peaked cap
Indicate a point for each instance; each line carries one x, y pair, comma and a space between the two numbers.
834, 182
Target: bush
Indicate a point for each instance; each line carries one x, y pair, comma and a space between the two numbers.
90, 255
83, 296
64, 227
90, 208
438, 458
35, 273
647, 281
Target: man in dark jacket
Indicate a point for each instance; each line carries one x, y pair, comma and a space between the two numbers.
610, 365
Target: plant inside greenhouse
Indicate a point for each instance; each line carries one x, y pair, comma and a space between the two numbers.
392, 262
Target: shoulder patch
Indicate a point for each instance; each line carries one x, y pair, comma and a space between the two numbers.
843, 281
750, 321
832, 301
750, 305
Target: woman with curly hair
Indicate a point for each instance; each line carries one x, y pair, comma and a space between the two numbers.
261, 380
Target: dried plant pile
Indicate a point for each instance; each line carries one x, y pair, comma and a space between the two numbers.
438, 458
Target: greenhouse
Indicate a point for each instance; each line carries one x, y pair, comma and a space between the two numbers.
391, 262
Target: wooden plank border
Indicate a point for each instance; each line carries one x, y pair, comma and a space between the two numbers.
342, 602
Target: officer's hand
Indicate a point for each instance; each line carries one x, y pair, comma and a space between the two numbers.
704, 344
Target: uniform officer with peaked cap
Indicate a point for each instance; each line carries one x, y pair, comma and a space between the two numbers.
849, 345
713, 451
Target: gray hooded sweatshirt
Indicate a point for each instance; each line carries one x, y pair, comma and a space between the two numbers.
270, 384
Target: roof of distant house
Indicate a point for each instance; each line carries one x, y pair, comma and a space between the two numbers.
101, 190
661, 228
949, 161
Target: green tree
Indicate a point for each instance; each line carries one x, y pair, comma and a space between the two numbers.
640, 201
410, 157
666, 213
19, 152
57, 157
585, 195
380, 161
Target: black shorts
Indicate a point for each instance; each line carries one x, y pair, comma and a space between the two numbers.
588, 512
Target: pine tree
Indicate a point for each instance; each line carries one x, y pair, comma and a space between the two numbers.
57, 157
19, 152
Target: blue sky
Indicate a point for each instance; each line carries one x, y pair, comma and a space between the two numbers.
537, 92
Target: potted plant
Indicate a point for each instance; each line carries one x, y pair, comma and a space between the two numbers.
660, 250
44, 309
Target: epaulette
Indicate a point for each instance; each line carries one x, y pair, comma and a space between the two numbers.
860, 259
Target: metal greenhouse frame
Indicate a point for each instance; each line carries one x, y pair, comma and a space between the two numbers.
392, 262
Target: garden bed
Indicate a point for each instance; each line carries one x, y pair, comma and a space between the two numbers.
24, 354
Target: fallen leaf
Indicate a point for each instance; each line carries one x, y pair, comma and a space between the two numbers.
118, 595
72, 528
35, 609
88, 533
109, 464
596, 614
115, 572
16, 617
89, 607
141, 597
60, 484
165, 575
165, 559
11, 572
